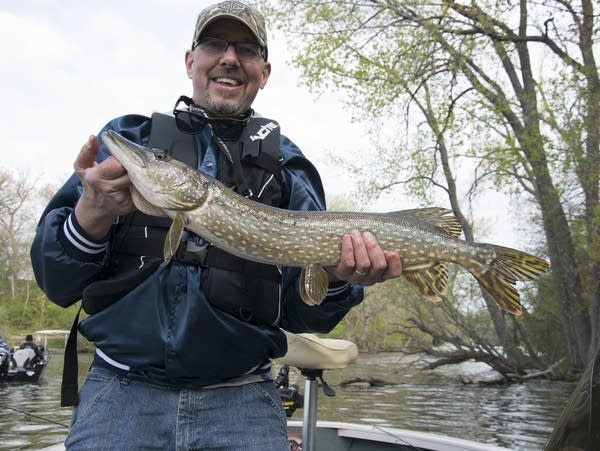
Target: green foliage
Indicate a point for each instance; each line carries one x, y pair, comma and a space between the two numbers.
480, 94
23, 307
372, 325
29, 310
543, 321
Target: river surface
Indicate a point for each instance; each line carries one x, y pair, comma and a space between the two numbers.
517, 416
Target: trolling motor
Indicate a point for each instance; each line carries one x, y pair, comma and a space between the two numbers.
290, 395
311, 355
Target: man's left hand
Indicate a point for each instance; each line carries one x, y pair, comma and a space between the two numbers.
362, 261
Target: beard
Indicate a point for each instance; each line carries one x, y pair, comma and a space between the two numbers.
224, 106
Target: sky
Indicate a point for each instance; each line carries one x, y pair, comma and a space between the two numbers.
68, 67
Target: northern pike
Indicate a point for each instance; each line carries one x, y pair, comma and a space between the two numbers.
426, 239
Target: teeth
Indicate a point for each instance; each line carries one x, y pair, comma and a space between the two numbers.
228, 81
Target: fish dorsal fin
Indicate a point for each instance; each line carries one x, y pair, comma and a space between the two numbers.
438, 217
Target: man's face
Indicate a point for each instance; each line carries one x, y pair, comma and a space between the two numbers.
225, 85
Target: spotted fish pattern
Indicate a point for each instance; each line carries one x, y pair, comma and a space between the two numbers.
427, 239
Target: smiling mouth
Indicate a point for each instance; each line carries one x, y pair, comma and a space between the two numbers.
227, 81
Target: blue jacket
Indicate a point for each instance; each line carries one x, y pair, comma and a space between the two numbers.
165, 329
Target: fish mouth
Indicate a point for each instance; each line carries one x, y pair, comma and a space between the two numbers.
129, 154
154, 187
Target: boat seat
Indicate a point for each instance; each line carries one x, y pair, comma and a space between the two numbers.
307, 351
23, 357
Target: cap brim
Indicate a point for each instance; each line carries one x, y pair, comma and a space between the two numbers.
222, 16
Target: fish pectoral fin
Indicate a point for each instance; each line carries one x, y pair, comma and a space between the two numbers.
173, 237
314, 283
430, 282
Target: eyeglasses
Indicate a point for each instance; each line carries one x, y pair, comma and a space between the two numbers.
245, 51
192, 119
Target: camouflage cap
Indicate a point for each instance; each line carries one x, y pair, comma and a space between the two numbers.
248, 15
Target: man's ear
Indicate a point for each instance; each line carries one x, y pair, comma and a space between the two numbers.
189, 61
265, 74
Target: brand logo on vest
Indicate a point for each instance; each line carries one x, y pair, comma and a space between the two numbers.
264, 131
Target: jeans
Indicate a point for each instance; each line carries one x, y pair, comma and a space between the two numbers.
116, 412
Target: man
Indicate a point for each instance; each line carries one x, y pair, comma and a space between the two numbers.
4, 359
183, 348
4, 346
28, 343
36, 347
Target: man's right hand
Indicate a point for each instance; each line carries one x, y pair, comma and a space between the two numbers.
106, 191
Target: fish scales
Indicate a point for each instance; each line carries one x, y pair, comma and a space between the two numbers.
284, 238
425, 238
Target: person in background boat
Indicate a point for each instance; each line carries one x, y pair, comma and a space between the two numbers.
183, 348
37, 347
4, 346
28, 343
4, 359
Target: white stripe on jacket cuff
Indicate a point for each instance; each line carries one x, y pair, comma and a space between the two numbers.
334, 291
75, 235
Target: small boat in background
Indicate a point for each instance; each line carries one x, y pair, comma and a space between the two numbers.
25, 366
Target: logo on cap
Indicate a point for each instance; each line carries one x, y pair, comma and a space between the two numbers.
231, 7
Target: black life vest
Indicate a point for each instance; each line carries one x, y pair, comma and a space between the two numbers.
245, 289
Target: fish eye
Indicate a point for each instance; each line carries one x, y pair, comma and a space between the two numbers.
160, 155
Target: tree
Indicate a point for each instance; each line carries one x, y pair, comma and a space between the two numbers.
17, 223
466, 76
23, 306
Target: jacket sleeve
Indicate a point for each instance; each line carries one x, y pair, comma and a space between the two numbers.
64, 259
303, 191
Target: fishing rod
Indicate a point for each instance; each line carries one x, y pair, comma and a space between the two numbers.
592, 402
29, 414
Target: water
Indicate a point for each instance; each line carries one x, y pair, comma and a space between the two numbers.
21, 431
517, 416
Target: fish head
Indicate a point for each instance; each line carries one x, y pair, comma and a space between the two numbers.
160, 183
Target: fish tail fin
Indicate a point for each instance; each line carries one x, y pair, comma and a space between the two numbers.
499, 278
430, 282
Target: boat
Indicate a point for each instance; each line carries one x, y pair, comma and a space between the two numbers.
313, 355
334, 436
22, 365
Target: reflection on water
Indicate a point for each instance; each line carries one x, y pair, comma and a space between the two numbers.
518, 416
41, 402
